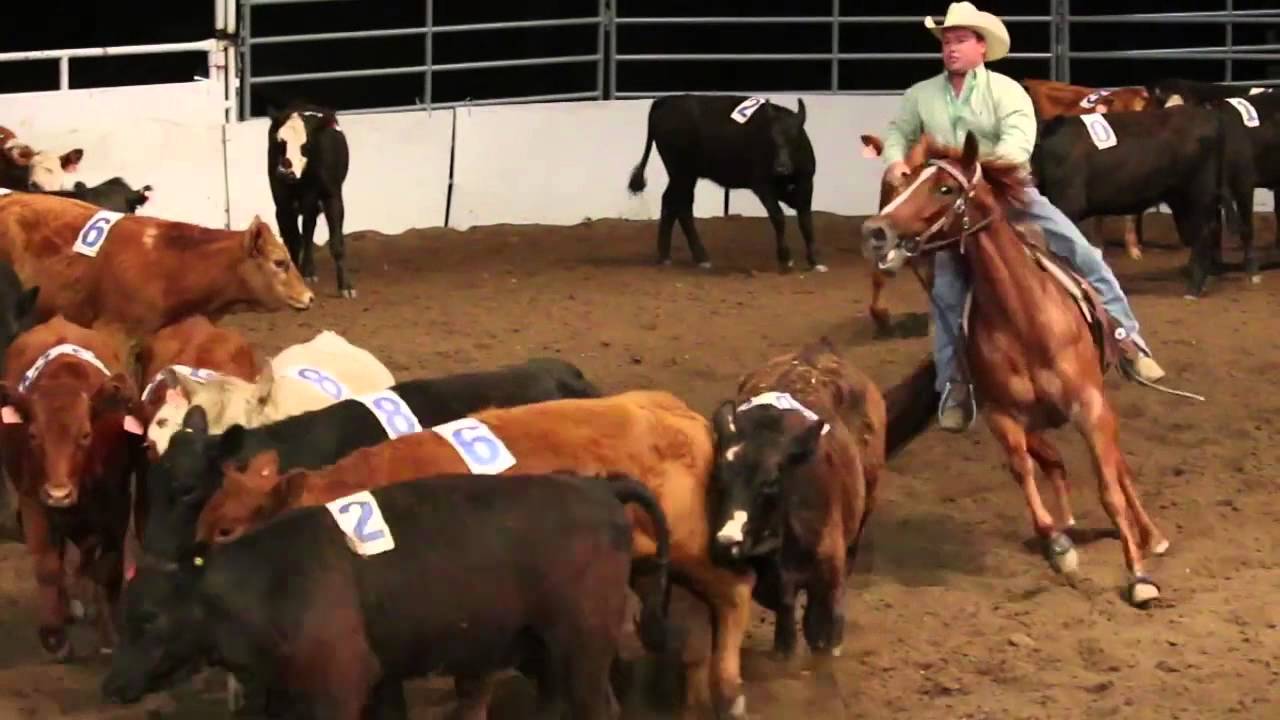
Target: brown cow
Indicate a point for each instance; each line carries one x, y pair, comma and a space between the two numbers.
70, 439
24, 168
1052, 98
799, 453
649, 435
148, 272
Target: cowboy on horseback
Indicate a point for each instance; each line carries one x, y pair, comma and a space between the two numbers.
968, 97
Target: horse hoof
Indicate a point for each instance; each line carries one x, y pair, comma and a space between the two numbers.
1142, 591
56, 645
1255, 279
705, 264
349, 293
820, 268
1062, 554
1161, 547
76, 610
737, 710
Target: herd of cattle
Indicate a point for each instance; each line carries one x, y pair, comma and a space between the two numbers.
280, 505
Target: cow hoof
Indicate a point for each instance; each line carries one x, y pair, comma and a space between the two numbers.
312, 279
705, 264
1135, 254
820, 268
349, 293
1255, 279
1142, 590
77, 611
55, 644
737, 709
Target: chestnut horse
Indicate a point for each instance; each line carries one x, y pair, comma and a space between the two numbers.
1031, 355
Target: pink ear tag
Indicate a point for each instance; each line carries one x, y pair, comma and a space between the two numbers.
869, 152
9, 414
133, 425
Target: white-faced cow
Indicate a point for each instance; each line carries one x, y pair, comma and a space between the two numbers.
22, 167
307, 160
737, 142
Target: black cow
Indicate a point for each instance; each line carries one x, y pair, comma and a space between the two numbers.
1195, 160
190, 471
769, 153
17, 306
114, 194
526, 571
307, 160
1178, 91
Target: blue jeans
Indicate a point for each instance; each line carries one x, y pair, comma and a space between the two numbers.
1065, 240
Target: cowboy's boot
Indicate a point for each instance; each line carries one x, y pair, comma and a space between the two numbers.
955, 410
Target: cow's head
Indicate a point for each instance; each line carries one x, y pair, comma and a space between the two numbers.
179, 483
786, 129
756, 450
163, 638
293, 136
62, 421
225, 401
268, 273
49, 171
250, 495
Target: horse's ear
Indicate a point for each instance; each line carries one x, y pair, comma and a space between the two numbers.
970, 149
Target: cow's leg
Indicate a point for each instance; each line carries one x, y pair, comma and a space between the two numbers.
684, 212
474, 694
801, 198
46, 553
387, 701
1196, 232
310, 212
666, 223
730, 596
784, 620
769, 199
333, 215
1131, 246
287, 220
824, 611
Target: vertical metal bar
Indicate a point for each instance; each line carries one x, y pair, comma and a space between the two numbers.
835, 46
1055, 56
1230, 32
430, 51
613, 48
64, 73
1066, 41
246, 88
600, 49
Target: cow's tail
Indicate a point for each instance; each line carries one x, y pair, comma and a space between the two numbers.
910, 405
638, 183
1233, 214
655, 633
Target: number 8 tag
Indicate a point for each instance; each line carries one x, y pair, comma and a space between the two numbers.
480, 449
392, 411
360, 518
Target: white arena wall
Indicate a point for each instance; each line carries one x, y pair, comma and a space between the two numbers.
549, 163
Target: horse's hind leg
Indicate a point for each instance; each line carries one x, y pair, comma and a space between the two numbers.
1013, 437
1153, 541
1061, 550
1098, 425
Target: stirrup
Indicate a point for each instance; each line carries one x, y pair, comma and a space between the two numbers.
971, 413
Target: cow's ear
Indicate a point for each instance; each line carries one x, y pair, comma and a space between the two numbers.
231, 442
71, 159
970, 156
183, 384
265, 382
800, 111
114, 395
256, 237
805, 445
10, 406
26, 302
722, 421
196, 420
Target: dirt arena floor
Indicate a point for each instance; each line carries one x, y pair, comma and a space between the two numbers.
953, 612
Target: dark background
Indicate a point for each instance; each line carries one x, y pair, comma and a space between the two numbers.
70, 24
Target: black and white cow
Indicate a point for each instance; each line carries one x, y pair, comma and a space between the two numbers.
307, 159
113, 194
737, 142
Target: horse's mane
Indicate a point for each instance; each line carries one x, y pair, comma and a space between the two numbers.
1008, 180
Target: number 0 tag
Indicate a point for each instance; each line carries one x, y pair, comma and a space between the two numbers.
480, 449
94, 232
784, 401
392, 411
361, 520
1248, 113
1100, 131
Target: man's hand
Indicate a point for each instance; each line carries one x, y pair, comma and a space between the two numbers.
896, 172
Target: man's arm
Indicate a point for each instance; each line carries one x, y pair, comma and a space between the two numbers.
904, 129
1017, 118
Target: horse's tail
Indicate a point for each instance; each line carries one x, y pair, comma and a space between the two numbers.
638, 183
910, 405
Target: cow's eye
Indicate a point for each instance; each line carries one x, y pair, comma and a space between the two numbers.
281, 264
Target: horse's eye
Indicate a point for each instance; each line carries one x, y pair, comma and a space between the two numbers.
946, 190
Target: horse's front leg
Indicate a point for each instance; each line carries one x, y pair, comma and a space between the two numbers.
1012, 436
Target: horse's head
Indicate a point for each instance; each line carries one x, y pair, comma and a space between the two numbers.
936, 205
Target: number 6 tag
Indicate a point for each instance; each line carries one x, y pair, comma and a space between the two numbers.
360, 518
480, 449
94, 232
392, 411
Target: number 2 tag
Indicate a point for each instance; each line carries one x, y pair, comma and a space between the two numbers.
480, 449
1248, 114
392, 411
94, 232
746, 109
361, 520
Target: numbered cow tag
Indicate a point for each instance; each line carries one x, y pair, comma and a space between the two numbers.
392, 411
4, 191
1092, 98
327, 384
64, 349
94, 232
784, 401
1247, 112
200, 375
1257, 90
746, 109
480, 449
1100, 131
361, 520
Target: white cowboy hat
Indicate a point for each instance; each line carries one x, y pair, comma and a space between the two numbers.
965, 15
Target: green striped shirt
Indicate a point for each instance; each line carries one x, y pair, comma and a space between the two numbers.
994, 106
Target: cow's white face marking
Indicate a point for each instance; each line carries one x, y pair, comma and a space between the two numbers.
732, 452
1173, 100
293, 133
47, 173
732, 530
